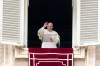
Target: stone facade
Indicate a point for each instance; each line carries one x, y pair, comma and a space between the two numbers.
1, 55
92, 57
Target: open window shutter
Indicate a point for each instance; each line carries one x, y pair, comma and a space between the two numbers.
12, 30
89, 24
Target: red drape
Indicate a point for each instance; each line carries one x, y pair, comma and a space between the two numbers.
51, 57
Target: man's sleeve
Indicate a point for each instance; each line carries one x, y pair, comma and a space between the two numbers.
57, 38
41, 33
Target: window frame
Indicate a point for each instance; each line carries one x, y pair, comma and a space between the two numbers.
79, 52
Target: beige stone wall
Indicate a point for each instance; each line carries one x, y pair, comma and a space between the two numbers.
79, 62
1, 55
97, 55
21, 62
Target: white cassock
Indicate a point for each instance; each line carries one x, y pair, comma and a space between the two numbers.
45, 35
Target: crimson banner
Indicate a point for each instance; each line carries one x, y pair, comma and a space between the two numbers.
50, 57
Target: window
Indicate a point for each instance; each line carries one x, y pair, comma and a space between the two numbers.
59, 12
86, 27
13, 21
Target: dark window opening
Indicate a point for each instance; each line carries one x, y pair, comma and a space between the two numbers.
59, 12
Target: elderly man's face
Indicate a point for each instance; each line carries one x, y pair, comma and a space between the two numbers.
50, 26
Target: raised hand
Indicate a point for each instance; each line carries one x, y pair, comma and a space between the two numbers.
45, 24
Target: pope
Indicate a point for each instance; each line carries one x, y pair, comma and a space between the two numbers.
48, 36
